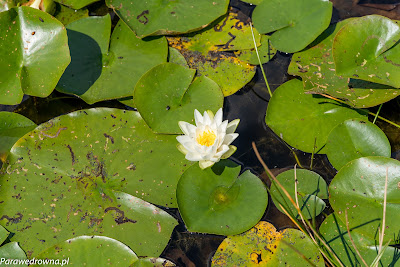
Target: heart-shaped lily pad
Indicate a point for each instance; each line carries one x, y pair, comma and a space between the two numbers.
354, 139
33, 53
297, 23
264, 246
207, 51
81, 174
334, 231
174, 17
367, 48
101, 71
166, 95
304, 119
359, 188
12, 127
317, 69
216, 201
76, 4
11, 251
311, 189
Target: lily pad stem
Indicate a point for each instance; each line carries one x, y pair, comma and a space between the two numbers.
376, 116
259, 60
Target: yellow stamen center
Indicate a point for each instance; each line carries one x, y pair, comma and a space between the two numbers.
206, 138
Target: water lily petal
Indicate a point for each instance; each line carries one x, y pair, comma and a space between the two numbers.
205, 164
181, 148
187, 128
222, 150
232, 126
229, 138
206, 118
193, 156
218, 117
210, 115
232, 149
198, 118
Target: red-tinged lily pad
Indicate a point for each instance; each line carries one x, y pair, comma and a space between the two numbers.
217, 201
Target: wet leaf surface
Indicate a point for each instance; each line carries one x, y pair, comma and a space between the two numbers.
264, 246
33, 53
76, 4
103, 68
82, 179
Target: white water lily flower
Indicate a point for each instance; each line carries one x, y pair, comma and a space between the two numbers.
210, 140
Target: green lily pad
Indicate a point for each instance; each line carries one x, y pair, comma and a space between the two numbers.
334, 231
311, 189
264, 246
81, 174
216, 201
90, 251
253, 2
33, 53
304, 119
10, 251
354, 139
12, 127
153, 262
366, 48
266, 52
166, 95
317, 69
76, 4
210, 51
174, 56
101, 71
6, 5
359, 188
297, 23
174, 17
67, 15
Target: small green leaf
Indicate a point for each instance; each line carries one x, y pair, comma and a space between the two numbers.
33, 53
216, 201
3, 234
311, 189
166, 95
174, 56
12, 251
296, 23
359, 188
304, 119
67, 15
153, 17
354, 139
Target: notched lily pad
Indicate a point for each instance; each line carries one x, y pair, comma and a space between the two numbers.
211, 51
174, 17
33, 53
367, 48
311, 189
317, 69
264, 246
168, 94
103, 68
82, 175
216, 201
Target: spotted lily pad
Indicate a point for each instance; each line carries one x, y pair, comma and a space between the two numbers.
296, 23
216, 201
334, 231
366, 48
84, 172
207, 51
174, 17
76, 4
12, 127
317, 69
311, 189
104, 69
304, 119
264, 246
33, 53
166, 95
266, 52
354, 139
6, 5
359, 188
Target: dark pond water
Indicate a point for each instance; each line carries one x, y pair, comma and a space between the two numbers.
249, 105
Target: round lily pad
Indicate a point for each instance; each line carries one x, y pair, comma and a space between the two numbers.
317, 69
216, 201
367, 48
166, 95
76, 4
104, 69
311, 189
354, 139
359, 188
262, 245
304, 119
82, 174
33, 53
335, 233
296, 23
12, 127
154, 18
